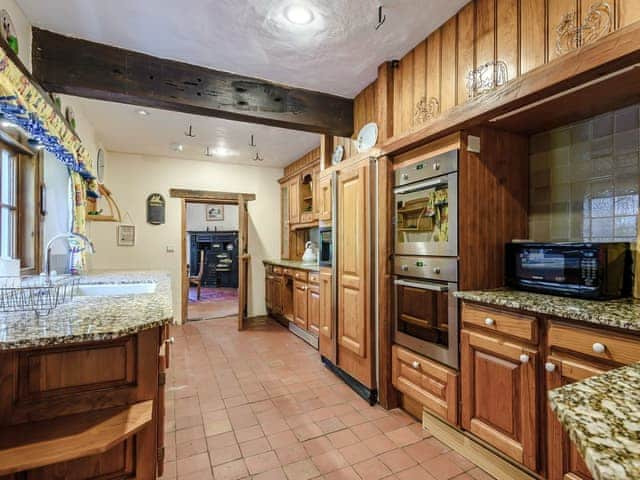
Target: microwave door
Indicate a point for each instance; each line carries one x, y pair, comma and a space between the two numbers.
426, 217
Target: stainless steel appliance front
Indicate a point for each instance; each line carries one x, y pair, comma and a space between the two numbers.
426, 207
426, 311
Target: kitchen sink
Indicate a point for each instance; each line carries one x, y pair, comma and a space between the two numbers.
105, 290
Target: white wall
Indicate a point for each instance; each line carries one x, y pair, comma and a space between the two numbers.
23, 30
196, 219
131, 178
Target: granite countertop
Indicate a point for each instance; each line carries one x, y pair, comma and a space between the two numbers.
310, 267
623, 313
602, 416
94, 318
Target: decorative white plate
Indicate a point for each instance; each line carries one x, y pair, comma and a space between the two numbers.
367, 137
338, 153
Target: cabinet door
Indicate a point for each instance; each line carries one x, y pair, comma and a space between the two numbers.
268, 290
294, 201
313, 309
326, 314
354, 321
564, 459
300, 304
499, 394
285, 227
324, 199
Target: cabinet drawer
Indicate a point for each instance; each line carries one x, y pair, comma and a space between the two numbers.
288, 272
300, 275
268, 268
314, 277
429, 383
306, 217
594, 343
516, 325
276, 270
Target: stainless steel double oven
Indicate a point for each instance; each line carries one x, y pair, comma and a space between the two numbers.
426, 257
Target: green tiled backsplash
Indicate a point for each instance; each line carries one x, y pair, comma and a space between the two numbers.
585, 179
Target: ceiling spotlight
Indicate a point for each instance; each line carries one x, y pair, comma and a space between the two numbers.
178, 147
298, 14
142, 113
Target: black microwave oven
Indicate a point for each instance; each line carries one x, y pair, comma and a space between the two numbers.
583, 270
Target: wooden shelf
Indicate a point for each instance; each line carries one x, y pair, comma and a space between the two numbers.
33, 445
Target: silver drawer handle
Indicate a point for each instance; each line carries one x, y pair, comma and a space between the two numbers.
524, 358
489, 322
599, 347
415, 364
422, 285
550, 367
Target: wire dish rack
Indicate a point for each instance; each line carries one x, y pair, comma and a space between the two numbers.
39, 294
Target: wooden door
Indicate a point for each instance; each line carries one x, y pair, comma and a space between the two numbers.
294, 201
564, 460
499, 394
300, 304
313, 309
243, 261
324, 199
326, 314
354, 320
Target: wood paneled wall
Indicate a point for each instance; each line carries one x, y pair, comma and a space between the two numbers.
520, 33
310, 158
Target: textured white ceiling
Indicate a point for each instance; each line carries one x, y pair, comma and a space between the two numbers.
121, 129
339, 52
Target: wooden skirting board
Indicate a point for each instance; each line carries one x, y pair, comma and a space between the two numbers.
482, 456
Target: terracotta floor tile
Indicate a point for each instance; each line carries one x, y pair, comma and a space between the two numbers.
317, 446
425, 449
249, 433
216, 427
222, 455
307, 431
254, 447
347, 473
365, 430
230, 471
479, 474
196, 463
397, 460
226, 439
379, 444
441, 467
291, 454
329, 461
262, 462
342, 438
330, 425
303, 470
415, 473
188, 421
276, 474
356, 453
403, 436
191, 448
189, 434
352, 419
371, 469
282, 439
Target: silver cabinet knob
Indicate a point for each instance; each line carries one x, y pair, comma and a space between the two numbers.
550, 367
436, 166
170, 340
524, 358
489, 322
436, 270
415, 364
405, 176
404, 268
599, 347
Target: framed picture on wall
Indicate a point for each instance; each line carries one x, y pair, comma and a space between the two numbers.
214, 213
126, 235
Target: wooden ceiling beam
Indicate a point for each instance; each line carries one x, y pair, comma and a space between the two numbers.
93, 70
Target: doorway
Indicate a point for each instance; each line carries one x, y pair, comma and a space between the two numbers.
212, 260
215, 209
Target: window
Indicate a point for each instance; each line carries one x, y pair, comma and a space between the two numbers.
8, 203
19, 207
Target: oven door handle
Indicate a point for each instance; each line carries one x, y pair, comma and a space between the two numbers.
422, 285
422, 185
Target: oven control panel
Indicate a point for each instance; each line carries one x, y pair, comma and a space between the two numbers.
432, 268
429, 168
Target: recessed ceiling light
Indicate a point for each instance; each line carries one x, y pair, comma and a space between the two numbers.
218, 151
178, 147
298, 14
142, 113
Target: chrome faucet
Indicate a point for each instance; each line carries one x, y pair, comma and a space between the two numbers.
68, 236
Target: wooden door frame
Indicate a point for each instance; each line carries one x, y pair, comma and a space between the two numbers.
220, 198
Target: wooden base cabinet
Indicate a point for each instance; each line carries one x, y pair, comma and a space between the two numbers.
326, 314
432, 385
313, 309
500, 391
300, 304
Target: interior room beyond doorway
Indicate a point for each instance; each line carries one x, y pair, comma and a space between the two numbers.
212, 259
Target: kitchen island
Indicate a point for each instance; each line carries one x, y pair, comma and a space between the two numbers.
81, 390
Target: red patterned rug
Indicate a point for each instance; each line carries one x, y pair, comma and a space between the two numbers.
212, 294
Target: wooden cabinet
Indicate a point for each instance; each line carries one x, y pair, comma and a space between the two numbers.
354, 320
313, 309
273, 294
300, 304
285, 227
500, 391
293, 188
324, 199
326, 313
432, 385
